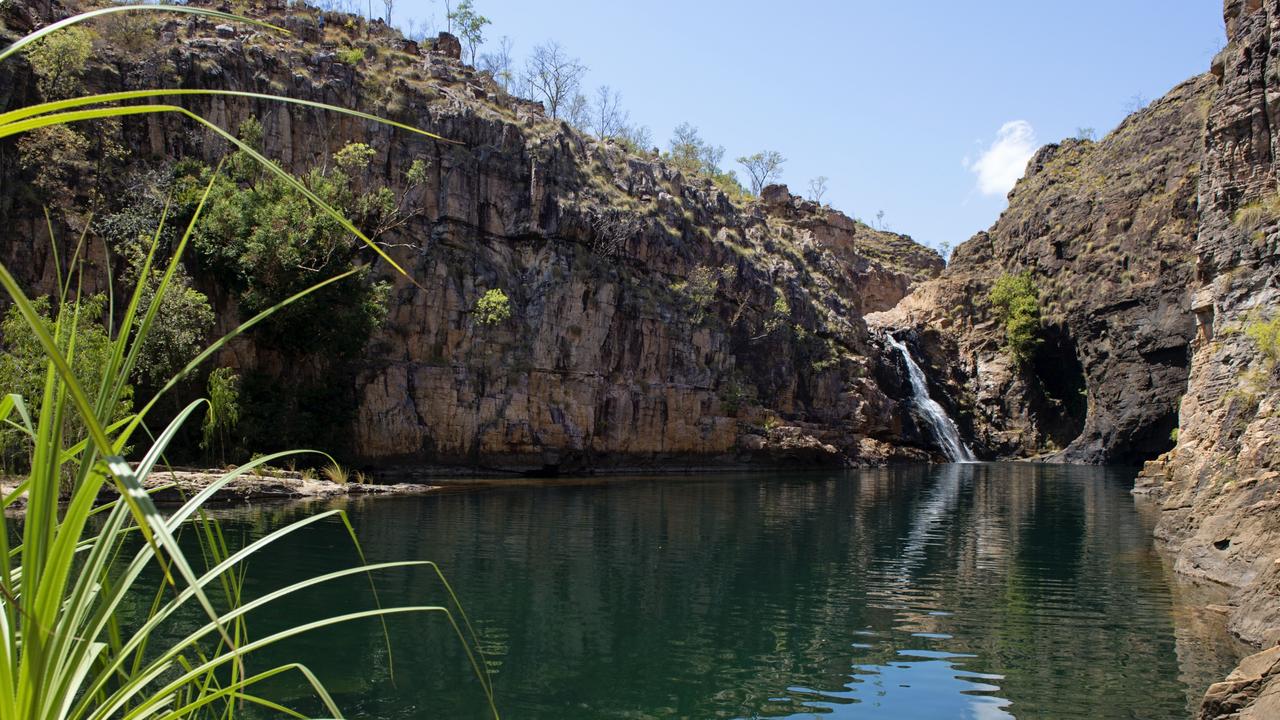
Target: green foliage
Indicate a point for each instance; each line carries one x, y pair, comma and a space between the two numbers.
336, 474
693, 155
812, 350
354, 158
186, 320
470, 26
735, 394
417, 174
78, 328
1016, 302
730, 186
57, 156
763, 168
1173, 436
699, 291
1265, 335
351, 56
187, 316
59, 62
268, 242
493, 307
223, 413
779, 317
131, 34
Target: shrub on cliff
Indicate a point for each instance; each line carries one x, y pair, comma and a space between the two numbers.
267, 241
23, 367
129, 234
1015, 300
1265, 335
493, 307
698, 291
351, 56
106, 613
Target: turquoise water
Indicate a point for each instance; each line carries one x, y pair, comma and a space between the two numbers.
979, 591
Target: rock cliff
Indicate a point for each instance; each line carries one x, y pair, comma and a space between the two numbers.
1155, 255
658, 322
654, 321
1105, 230
1219, 489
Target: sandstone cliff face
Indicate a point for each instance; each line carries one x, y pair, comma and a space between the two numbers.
610, 358
1106, 230
1220, 487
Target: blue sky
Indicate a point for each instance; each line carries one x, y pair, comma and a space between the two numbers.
925, 110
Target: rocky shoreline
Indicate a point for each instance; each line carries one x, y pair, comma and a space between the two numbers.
1154, 255
1232, 543
178, 485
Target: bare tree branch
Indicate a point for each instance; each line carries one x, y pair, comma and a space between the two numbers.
553, 77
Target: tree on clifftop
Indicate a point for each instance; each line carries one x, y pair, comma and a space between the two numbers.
470, 26
818, 188
499, 65
763, 167
693, 154
553, 76
608, 119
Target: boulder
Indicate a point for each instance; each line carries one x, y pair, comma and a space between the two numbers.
447, 45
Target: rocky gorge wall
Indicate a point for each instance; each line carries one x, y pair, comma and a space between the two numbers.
657, 322
1219, 488
1155, 255
1105, 229
654, 321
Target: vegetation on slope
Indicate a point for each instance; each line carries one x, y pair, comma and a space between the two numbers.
76, 642
1016, 302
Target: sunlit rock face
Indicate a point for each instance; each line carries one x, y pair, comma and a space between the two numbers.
1220, 486
654, 321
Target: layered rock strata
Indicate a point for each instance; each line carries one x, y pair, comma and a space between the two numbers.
655, 322
1220, 487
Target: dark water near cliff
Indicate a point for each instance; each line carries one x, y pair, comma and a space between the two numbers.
981, 591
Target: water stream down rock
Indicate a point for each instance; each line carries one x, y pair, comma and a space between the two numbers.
943, 427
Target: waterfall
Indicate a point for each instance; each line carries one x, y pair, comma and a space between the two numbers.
944, 428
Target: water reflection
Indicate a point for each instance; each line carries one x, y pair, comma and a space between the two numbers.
975, 591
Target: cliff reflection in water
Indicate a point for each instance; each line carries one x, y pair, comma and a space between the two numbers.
956, 591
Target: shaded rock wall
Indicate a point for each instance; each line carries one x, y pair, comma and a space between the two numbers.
1220, 487
1106, 230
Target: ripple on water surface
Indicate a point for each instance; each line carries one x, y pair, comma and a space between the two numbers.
976, 591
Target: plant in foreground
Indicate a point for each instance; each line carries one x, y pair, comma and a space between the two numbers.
84, 634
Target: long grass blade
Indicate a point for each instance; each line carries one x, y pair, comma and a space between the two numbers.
85, 16
116, 97
100, 113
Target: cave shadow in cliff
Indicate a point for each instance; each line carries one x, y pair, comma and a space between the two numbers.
1062, 404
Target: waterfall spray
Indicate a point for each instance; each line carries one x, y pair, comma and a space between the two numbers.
944, 428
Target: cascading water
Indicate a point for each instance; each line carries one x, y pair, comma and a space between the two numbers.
944, 428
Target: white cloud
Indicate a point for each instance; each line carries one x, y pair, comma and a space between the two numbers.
1002, 164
